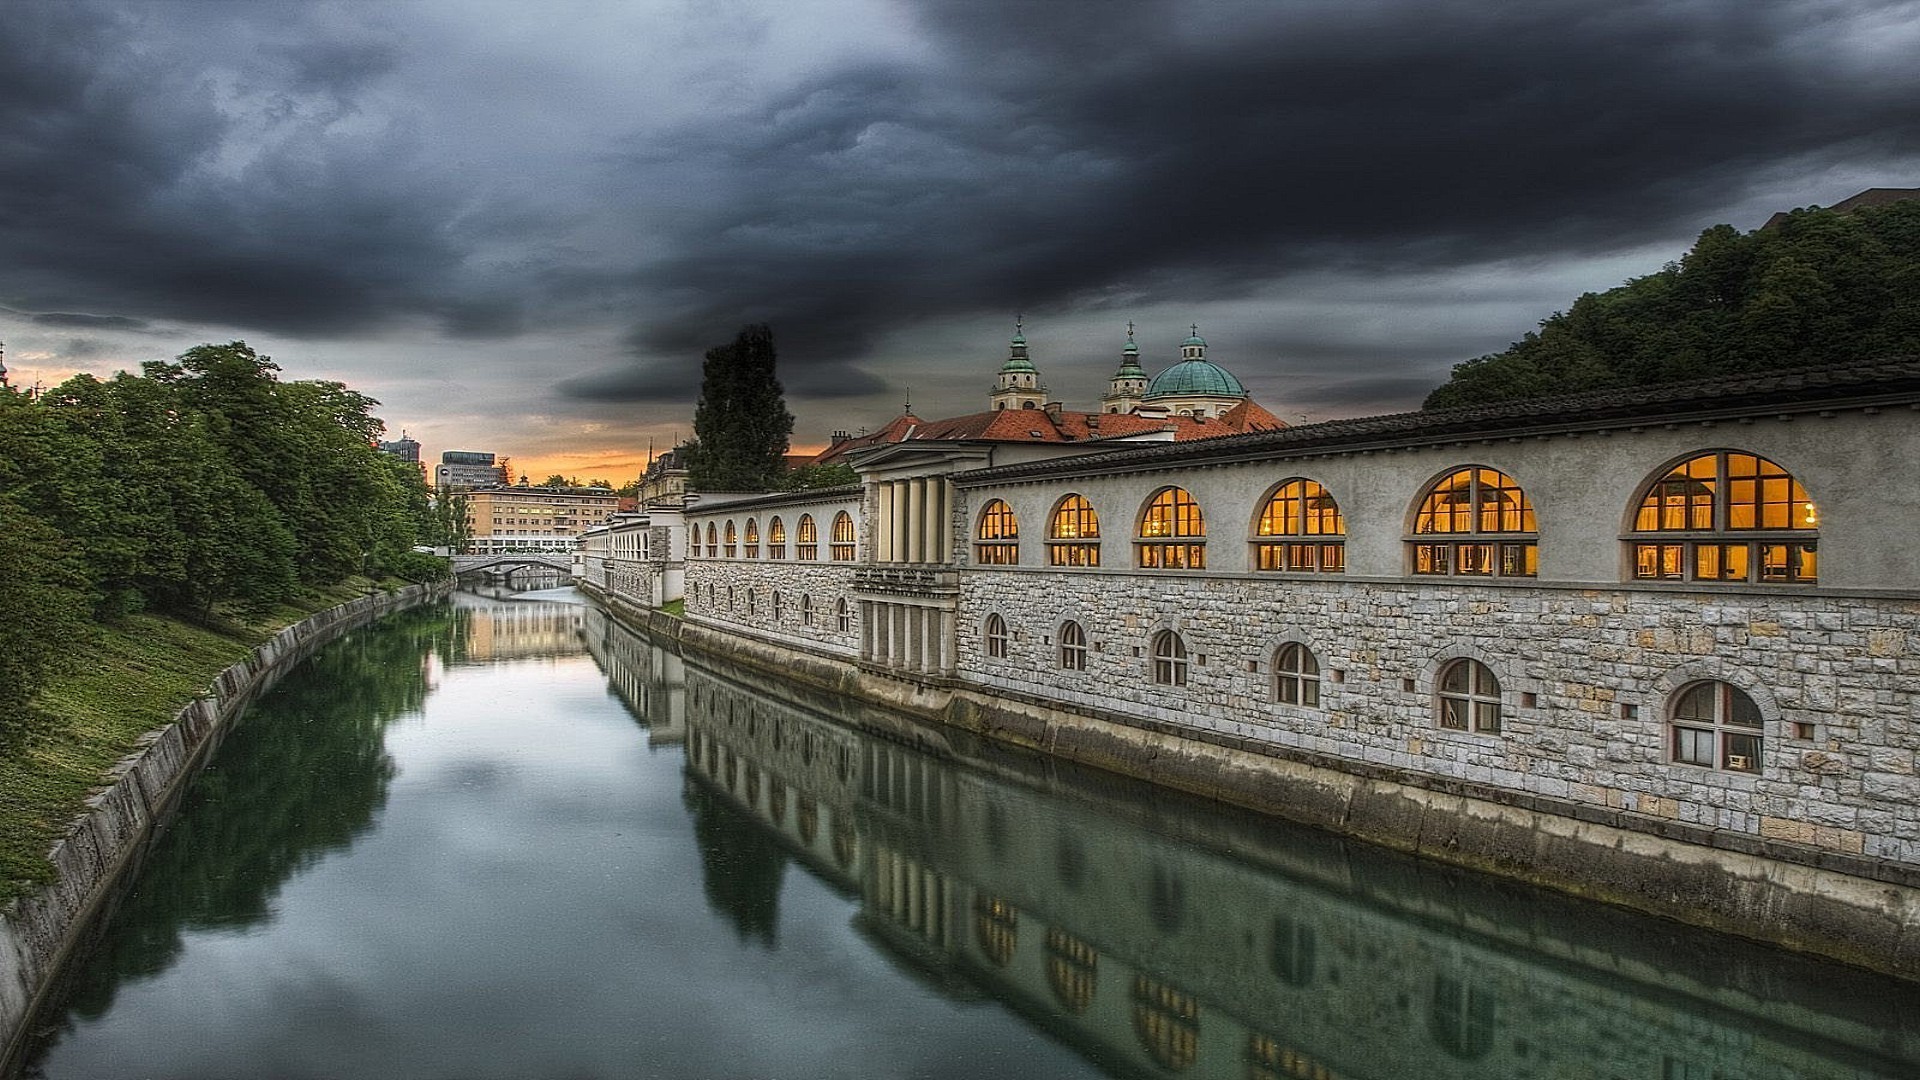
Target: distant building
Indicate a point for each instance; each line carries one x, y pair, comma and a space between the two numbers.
460, 470
527, 518
406, 448
1876, 196
665, 481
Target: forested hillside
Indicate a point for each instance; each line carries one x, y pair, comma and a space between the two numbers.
1820, 287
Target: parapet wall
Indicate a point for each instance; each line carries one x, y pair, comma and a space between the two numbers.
41, 932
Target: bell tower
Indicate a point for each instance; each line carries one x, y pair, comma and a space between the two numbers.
1129, 383
1018, 384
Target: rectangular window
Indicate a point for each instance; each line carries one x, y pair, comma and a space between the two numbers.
1693, 746
996, 554
1433, 559
807, 551
1476, 558
1453, 714
1302, 556
1073, 554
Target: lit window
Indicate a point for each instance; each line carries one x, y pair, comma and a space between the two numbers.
1726, 516
1296, 676
1073, 647
1492, 517
1469, 697
1716, 726
1309, 519
1073, 534
996, 536
776, 539
733, 540
842, 547
753, 539
713, 544
1169, 659
995, 635
1172, 532
807, 542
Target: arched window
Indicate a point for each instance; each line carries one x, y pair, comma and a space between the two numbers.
1167, 1023
1296, 676
731, 601
1073, 970
713, 544
733, 540
1173, 534
1716, 726
842, 617
996, 536
842, 547
1073, 647
753, 539
994, 634
806, 610
1315, 532
777, 605
1492, 519
753, 600
1169, 659
1073, 534
1468, 697
996, 924
807, 540
776, 539
1726, 516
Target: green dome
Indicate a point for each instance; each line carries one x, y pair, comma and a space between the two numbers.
1018, 363
1195, 377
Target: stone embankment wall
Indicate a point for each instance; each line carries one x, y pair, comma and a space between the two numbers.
39, 933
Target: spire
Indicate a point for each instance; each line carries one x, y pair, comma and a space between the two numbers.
1018, 384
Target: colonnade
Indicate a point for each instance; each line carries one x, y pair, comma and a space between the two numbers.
907, 636
914, 521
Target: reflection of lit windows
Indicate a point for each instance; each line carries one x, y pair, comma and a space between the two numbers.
1468, 697
1073, 534
1726, 516
1167, 1022
994, 634
996, 924
1716, 726
1172, 532
1302, 511
809, 819
1461, 1018
996, 536
1072, 970
1296, 676
1169, 659
1491, 513
806, 539
841, 549
1269, 1059
1073, 647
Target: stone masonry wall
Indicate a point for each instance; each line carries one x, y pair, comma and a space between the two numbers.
738, 595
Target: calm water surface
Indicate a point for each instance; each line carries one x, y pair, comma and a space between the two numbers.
509, 838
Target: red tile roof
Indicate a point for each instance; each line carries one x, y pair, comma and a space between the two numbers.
1044, 426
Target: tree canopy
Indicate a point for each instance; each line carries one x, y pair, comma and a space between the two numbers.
741, 423
1817, 287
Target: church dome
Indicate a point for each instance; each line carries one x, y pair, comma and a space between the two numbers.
1195, 377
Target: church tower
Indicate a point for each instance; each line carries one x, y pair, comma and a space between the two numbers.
1129, 383
1018, 385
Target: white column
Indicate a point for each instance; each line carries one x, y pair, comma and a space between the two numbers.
882, 531
916, 521
866, 629
944, 527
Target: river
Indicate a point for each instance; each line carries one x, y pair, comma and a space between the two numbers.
506, 837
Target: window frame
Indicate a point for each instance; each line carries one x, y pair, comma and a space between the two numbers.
1073, 532
1296, 675
841, 547
806, 540
996, 535
1438, 547
776, 538
1183, 543
995, 641
1480, 703
1718, 731
1169, 666
1299, 529
1696, 536
1072, 640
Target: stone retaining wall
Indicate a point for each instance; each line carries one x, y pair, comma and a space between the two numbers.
40, 932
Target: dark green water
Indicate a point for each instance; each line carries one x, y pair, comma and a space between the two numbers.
508, 838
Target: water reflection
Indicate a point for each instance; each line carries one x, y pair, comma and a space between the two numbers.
1162, 937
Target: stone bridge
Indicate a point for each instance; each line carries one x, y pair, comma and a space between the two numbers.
506, 564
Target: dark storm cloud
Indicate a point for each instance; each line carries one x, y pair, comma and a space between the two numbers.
75, 320
1070, 155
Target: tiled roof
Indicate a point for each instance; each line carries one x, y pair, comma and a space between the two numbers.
1042, 426
1800, 390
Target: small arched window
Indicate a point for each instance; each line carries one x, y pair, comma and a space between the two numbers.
733, 540
1073, 534
1726, 516
777, 606
807, 539
1296, 676
1173, 533
753, 539
1716, 726
1169, 659
842, 547
806, 610
994, 634
1314, 532
842, 616
1073, 647
1491, 519
776, 539
713, 544
996, 536
753, 600
1467, 697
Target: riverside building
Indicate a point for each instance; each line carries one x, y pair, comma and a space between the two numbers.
526, 518
1657, 646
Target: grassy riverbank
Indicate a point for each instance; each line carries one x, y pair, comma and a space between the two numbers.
128, 679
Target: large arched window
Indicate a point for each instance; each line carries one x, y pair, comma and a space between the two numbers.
994, 634
1296, 676
733, 540
1489, 523
1716, 726
1467, 697
753, 539
842, 547
1073, 534
1726, 516
776, 539
1169, 659
1073, 647
1308, 533
1173, 534
713, 543
996, 536
807, 540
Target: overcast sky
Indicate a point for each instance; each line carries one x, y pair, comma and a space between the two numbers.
520, 224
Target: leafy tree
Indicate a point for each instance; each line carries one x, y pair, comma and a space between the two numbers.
819, 476
43, 604
555, 480
741, 423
